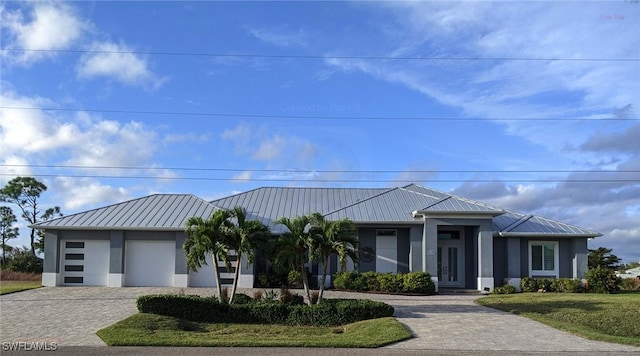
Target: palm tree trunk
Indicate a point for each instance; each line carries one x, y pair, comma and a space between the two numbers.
305, 283
216, 274
235, 277
325, 264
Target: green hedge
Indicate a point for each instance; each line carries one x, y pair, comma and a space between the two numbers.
411, 283
331, 312
557, 285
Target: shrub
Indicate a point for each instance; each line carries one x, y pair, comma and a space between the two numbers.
528, 284
370, 280
602, 280
350, 281
270, 295
240, 298
314, 297
505, 289
418, 282
257, 294
24, 261
294, 279
568, 285
391, 283
630, 284
330, 312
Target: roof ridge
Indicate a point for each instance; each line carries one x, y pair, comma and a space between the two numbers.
468, 200
437, 202
567, 224
363, 200
420, 193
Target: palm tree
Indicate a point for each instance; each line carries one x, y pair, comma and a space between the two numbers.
243, 237
208, 238
292, 247
329, 238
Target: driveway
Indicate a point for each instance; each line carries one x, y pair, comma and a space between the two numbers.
70, 316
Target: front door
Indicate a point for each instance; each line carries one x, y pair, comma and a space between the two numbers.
451, 262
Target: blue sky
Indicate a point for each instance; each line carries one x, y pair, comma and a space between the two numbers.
531, 106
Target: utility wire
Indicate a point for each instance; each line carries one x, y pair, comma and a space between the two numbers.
318, 180
295, 56
209, 169
372, 118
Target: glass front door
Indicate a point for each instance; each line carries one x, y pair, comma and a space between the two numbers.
450, 264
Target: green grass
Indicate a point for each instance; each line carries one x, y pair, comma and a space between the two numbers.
7, 287
158, 330
603, 317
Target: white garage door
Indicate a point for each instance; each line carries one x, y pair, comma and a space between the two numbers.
386, 251
85, 262
149, 263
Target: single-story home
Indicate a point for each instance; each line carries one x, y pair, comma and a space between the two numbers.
462, 243
630, 273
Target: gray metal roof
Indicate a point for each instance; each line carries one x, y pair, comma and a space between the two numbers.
153, 212
512, 223
361, 205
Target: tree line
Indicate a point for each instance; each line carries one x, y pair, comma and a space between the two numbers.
24, 193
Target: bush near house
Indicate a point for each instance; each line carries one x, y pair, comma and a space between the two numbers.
553, 285
505, 289
630, 284
410, 283
331, 312
602, 280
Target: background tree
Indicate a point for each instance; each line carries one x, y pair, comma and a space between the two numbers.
208, 238
25, 193
603, 258
7, 219
292, 248
48, 214
329, 238
243, 238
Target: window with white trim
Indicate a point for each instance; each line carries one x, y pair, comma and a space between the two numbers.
543, 258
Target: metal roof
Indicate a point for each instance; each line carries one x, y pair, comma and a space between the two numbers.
153, 212
361, 205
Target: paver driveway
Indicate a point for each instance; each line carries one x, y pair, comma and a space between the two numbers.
70, 316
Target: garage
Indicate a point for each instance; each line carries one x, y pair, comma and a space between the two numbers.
84, 262
149, 263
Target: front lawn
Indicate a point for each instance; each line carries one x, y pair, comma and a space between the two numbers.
18, 286
157, 330
603, 317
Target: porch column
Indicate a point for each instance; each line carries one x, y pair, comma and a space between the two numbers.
485, 258
51, 264
430, 249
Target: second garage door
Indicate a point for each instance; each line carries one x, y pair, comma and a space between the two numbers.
149, 263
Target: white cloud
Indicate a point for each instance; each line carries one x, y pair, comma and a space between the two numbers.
48, 25
117, 61
282, 37
77, 193
244, 176
270, 148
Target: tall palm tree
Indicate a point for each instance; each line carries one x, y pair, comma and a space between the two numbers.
292, 246
332, 238
208, 238
243, 237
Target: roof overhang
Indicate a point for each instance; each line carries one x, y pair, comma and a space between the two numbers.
106, 228
544, 235
425, 214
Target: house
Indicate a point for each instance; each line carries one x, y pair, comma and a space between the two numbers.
462, 243
630, 273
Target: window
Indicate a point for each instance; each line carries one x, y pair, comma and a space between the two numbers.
543, 259
74, 244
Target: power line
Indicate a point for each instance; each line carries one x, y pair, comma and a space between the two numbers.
317, 117
298, 56
205, 169
322, 180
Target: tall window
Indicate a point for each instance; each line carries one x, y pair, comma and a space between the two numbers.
543, 258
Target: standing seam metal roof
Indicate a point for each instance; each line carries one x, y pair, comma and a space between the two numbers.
364, 205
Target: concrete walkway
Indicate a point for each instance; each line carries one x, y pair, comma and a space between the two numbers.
70, 316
